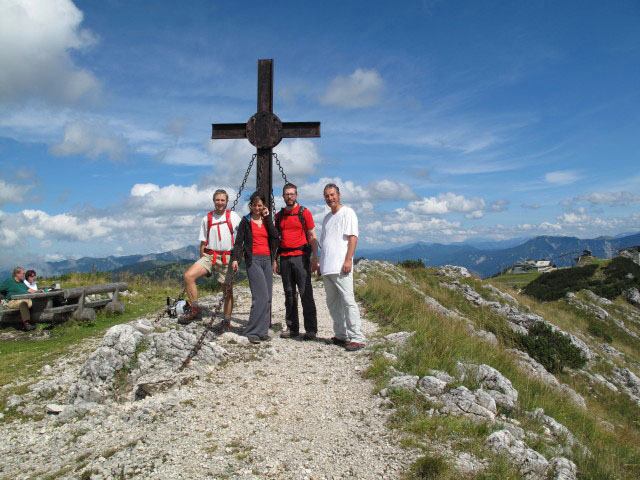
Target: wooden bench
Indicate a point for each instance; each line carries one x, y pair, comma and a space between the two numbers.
58, 305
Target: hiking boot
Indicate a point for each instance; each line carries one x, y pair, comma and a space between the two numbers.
265, 338
309, 336
289, 334
254, 338
353, 346
336, 341
29, 326
225, 325
192, 315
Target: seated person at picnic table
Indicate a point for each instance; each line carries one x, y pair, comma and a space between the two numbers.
30, 280
16, 286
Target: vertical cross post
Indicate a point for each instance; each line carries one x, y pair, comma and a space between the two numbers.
264, 181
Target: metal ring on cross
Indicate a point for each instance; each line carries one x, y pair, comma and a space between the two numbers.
264, 130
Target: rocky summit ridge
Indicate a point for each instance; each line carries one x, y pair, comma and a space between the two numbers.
118, 408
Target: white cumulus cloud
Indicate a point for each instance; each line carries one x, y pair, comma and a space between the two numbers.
561, 177
12, 193
37, 37
363, 88
446, 203
92, 139
610, 198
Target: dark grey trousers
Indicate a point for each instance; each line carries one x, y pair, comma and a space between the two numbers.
295, 273
260, 274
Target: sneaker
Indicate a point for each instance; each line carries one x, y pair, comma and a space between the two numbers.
353, 346
254, 338
309, 336
225, 325
336, 341
289, 334
265, 338
29, 326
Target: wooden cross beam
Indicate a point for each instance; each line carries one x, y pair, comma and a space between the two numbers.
264, 129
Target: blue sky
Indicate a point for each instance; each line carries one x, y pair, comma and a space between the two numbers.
441, 120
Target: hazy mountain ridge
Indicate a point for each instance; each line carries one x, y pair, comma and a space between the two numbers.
485, 261
489, 262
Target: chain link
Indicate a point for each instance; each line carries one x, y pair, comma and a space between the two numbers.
284, 177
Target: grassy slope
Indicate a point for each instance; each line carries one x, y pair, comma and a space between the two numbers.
24, 357
441, 342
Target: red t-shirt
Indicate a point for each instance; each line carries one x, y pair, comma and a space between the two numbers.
291, 230
260, 239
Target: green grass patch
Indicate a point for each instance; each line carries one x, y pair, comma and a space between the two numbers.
440, 342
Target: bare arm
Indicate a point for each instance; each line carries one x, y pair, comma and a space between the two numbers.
351, 250
312, 238
202, 245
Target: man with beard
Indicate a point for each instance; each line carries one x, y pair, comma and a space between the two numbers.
299, 242
217, 232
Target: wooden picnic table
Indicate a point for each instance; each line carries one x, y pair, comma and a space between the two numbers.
56, 305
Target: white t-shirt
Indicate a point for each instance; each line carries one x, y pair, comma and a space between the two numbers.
33, 285
336, 230
221, 242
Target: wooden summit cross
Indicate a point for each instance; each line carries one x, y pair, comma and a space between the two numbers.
264, 129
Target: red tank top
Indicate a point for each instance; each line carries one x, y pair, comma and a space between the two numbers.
260, 239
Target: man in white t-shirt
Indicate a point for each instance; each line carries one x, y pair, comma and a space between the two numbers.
217, 233
339, 239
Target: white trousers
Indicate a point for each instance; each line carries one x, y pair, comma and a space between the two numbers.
343, 307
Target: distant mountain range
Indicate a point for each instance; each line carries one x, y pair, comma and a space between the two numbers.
485, 262
481, 256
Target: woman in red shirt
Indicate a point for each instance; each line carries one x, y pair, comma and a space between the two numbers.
258, 239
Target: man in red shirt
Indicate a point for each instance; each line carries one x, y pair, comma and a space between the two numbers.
299, 242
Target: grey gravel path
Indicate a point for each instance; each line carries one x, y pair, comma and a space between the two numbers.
285, 409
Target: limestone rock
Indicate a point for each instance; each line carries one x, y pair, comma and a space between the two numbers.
533, 368
628, 382
531, 464
461, 402
563, 469
230, 337
432, 386
466, 462
54, 409
633, 297
453, 271
399, 339
404, 382
499, 387
114, 307
14, 401
444, 376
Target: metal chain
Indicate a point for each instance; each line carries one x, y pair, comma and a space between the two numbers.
284, 177
209, 326
244, 181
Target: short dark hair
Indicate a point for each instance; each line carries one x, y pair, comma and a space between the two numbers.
331, 185
220, 190
28, 273
289, 185
257, 195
